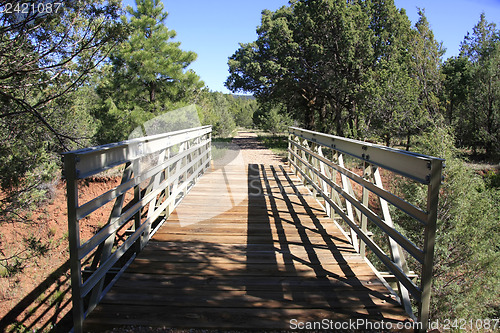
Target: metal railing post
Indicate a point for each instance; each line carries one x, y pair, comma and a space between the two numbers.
70, 172
429, 241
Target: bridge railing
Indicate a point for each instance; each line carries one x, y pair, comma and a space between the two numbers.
157, 172
319, 160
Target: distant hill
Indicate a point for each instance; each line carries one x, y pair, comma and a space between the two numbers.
244, 96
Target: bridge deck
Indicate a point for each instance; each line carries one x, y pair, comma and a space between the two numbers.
247, 248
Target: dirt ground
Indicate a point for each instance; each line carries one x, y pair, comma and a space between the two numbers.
38, 298
253, 151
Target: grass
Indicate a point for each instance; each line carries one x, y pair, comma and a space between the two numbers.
278, 144
228, 140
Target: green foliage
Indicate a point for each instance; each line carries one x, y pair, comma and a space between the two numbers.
492, 179
272, 119
467, 258
425, 65
394, 109
44, 58
243, 109
148, 75
472, 95
457, 78
49, 56
215, 111
225, 112
175, 120
336, 66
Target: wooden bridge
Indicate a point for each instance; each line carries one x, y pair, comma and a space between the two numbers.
248, 246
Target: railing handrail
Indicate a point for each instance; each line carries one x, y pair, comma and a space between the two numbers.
409, 164
129, 150
305, 155
179, 159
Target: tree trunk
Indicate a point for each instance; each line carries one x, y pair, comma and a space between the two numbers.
310, 124
338, 120
152, 92
450, 112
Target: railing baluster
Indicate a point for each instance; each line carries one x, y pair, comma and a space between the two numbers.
397, 253
348, 189
367, 169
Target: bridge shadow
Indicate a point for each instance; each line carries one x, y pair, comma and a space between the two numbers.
46, 308
276, 233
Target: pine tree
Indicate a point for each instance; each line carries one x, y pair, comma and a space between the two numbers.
155, 62
426, 63
148, 74
482, 49
472, 90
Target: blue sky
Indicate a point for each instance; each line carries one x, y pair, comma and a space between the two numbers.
213, 28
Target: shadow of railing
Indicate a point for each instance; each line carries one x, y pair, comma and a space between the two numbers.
46, 307
260, 248
325, 277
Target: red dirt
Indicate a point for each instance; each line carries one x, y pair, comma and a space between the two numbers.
39, 296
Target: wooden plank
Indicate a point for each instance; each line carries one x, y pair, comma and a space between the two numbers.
234, 250
215, 226
239, 239
294, 299
260, 257
289, 232
370, 284
230, 318
251, 269
251, 218
262, 202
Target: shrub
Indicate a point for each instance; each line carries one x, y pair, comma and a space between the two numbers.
273, 120
467, 257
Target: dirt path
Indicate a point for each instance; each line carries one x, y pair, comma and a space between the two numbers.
253, 151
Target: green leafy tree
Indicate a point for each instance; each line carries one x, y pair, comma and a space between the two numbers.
472, 90
482, 49
44, 58
243, 109
318, 59
426, 59
215, 110
148, 75
407, 83
456, 83
393, 109
273, 119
